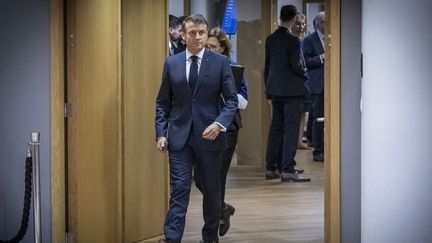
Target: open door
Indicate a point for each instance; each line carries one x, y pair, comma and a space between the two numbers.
117, 184
93, 126
144, 48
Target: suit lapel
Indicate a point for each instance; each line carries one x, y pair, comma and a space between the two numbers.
318, 43
182, 64
203, 71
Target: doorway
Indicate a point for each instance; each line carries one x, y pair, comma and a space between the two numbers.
115, 179
255, 133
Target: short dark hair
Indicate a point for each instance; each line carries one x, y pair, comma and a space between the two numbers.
181, 19
287, 13
174, 22
196, 19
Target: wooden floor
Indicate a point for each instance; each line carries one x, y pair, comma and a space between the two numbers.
268, 211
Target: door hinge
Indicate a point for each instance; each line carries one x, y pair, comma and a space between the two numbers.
69, 237
67, 110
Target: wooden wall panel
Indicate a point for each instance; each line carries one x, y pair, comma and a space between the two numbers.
332, 123
57, 122
94, 128
144, 48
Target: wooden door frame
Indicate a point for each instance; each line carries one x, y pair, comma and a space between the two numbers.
58, 202
332, 122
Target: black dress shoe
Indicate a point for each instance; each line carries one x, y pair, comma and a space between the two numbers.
298, 170
270, 175
224, 223
318, 158
287, 177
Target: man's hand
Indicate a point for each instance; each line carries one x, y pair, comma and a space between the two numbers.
162, 144
211, 132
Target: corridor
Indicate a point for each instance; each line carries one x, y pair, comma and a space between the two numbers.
268, 211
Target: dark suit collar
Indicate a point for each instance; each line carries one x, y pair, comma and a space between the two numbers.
317, 41
181, 60
282, 28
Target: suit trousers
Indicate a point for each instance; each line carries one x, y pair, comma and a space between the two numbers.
181, 165
226, 157
309, 125
318, 127
283, 132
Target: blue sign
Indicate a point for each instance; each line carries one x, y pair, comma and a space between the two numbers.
229, 23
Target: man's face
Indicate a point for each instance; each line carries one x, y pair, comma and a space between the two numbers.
195, 36
175, 33
298, 27
214, 45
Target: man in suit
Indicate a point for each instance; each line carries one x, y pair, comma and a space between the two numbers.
313, 51
191, 122
175, 44
284, 78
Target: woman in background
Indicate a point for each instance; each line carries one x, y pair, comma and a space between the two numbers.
218, 42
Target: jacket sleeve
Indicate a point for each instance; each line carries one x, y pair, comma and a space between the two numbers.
312, 59
163, 105
295, 62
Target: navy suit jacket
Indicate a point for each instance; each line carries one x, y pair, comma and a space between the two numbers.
180, 109
284, 73
312, 49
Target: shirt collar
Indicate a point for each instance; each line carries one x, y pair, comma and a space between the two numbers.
200, 54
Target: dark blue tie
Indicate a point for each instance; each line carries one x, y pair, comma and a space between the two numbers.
193, 73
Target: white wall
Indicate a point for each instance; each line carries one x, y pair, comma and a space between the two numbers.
24, 107
350, 165
396, 121
176, 7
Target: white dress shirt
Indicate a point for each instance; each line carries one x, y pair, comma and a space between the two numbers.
200, 55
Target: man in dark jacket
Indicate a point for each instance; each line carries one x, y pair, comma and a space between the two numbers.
284, 77
313, 50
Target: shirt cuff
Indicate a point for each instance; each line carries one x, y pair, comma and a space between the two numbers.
242, 102
223, 129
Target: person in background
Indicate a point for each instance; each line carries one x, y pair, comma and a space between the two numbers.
298, 29
175, 44
218, 42
313, 51
181, 42
284, 78
190, 123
